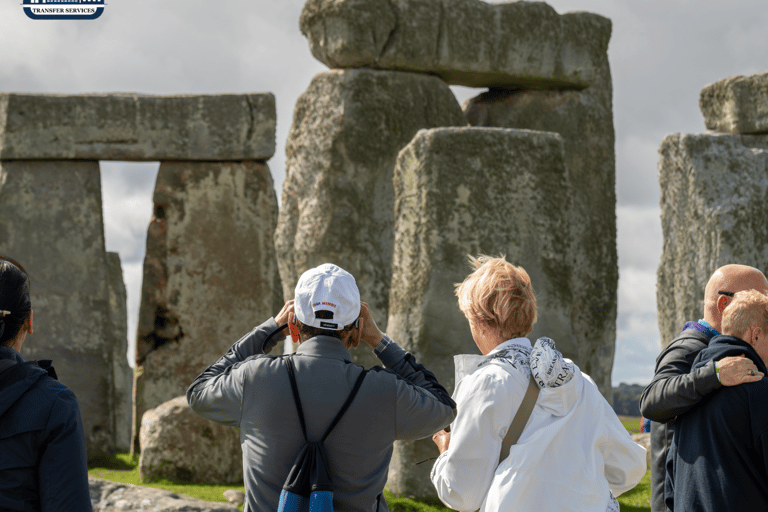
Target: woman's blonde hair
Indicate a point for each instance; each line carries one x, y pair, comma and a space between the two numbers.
499, 295
749, 309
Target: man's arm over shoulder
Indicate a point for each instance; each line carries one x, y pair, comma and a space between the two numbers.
423, 406
217, 393
675, 388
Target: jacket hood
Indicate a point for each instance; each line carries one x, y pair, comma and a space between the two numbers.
16, 377
723, 346
559, 379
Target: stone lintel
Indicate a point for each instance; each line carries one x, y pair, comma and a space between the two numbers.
211, 127
737, 104
464, 42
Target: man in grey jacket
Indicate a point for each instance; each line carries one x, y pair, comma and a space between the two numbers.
251, 390
675, 389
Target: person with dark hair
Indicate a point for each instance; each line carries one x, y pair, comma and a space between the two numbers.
43, 463
252, 390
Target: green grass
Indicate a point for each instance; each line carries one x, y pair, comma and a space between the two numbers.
631, 423
639, 498
125, 469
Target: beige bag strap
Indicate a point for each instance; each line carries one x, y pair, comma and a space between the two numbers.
520, 419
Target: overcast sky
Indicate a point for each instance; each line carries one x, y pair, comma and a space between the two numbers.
661, 53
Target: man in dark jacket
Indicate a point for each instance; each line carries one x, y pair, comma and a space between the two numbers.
675, 388
718, 459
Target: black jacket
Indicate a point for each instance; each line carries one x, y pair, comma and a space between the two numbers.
43, 464
719, 455
673, 390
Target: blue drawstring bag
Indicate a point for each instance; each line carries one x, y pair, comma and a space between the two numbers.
308, 487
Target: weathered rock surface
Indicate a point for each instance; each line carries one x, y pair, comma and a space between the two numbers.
108, 496
337, 203
137, 127
644, 440
737, 104
461, 191
585, 121
177, 444
51, 222
235, 497
122, 373
210, 273
464, 42
714, 189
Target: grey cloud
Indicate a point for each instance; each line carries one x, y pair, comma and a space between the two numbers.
662, 53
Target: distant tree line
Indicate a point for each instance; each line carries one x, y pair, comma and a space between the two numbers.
626, 399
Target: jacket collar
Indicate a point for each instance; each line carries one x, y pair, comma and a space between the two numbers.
520, 342
324, 346
9, 353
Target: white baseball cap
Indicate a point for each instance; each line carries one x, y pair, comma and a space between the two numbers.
327, 288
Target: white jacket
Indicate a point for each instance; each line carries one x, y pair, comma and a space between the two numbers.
573, 453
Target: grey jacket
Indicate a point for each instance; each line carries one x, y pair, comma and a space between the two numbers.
673, 390
250, 390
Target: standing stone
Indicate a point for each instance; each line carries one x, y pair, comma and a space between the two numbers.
210, 273
178, 444
137, 127
337, 198
714, 191
585, 121
464, 42
122, 404
51, 222
469, 191
738, 104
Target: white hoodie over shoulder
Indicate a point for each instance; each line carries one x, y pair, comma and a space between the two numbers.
573, 453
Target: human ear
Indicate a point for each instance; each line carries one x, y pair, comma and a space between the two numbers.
757, 334
722, 302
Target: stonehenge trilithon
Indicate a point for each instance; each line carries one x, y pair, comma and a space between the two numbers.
218, 190
546, 72
461, 191
464, 42
585, 121
51, 222
337, 199
210, 273
714, 191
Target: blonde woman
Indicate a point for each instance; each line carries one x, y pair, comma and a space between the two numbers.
573, 454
